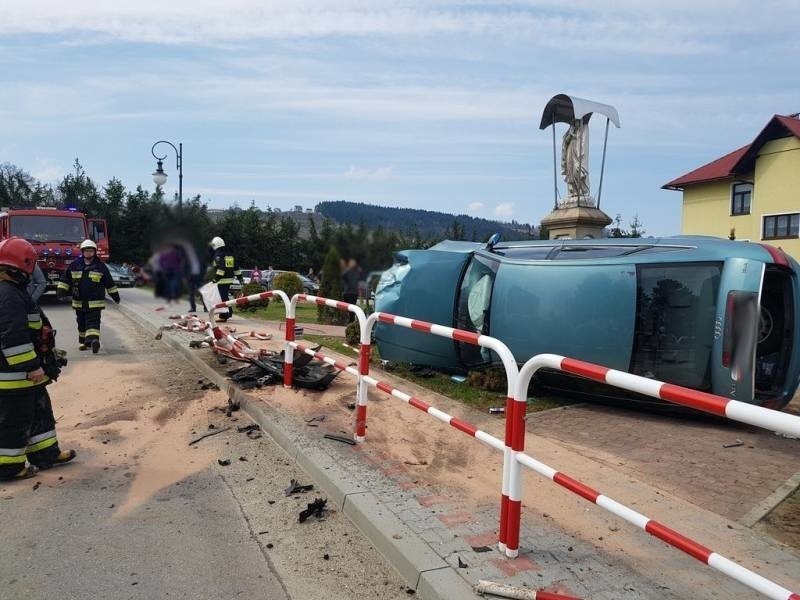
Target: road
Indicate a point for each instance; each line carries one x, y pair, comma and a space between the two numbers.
140, 514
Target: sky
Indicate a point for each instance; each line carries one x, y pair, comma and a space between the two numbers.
429, 104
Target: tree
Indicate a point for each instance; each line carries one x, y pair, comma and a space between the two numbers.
78, 190
330, 286
636, 229
16, 186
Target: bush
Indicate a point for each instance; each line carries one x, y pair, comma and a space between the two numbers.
248, 289
331, 287
289, 283
352, 334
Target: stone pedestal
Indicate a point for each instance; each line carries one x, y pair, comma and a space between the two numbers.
577, 219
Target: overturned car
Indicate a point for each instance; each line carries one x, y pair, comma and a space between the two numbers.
700, 312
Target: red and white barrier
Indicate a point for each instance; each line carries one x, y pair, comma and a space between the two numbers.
360, 433
514, 444
509, 510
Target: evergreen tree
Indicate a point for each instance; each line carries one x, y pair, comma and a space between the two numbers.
330, 286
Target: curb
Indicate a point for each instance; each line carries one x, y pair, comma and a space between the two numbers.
418, 565
766, 506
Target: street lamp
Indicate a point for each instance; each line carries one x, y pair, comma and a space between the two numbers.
160, 176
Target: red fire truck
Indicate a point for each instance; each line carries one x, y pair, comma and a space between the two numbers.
56, 235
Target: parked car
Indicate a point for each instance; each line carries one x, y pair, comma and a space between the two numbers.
122, 277
309, 286
705, 313
247, 276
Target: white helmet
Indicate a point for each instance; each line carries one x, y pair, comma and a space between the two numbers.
88, 244
217, 243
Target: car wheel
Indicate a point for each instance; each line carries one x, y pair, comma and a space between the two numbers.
770, 326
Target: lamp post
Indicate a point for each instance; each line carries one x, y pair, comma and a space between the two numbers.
160, 177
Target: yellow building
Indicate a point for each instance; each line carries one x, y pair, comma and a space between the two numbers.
753, 192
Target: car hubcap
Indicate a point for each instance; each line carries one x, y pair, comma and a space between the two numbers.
765, 325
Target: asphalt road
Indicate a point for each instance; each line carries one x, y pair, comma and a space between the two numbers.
140, 514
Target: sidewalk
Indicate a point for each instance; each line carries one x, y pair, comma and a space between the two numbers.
242, 321
443, 488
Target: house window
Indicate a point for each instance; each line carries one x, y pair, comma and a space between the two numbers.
781, 226
741, 193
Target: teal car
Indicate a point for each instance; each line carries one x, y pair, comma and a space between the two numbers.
700, 312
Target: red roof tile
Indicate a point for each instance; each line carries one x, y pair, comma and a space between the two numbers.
716, 169
738, 160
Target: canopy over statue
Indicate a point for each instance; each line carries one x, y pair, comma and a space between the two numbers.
576, 214
576, 112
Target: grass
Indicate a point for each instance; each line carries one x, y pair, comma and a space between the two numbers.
304, 312
440, 383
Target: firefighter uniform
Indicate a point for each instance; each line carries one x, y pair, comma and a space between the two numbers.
27, 426
89, 282
225, 274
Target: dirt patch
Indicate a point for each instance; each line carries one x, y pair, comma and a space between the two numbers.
783, 523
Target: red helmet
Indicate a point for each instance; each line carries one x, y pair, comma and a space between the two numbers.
18, 254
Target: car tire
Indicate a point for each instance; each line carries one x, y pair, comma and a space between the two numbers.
770, 326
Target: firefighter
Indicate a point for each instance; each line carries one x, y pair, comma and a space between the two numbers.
27, 426
224, 272
89, 280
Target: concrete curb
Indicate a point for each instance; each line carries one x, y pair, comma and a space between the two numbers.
766, 506
418, 565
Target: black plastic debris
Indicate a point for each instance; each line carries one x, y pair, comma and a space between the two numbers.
224, 462
268, 370
339, 438
315, 509
247, 428
319, 418
295, 487
481, 549
462, 564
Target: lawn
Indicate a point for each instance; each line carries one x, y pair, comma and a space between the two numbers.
440, 382
304, 312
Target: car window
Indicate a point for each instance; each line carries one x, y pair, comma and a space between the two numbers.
474, 304
675, 312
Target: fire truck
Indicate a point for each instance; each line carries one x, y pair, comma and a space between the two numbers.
56, 235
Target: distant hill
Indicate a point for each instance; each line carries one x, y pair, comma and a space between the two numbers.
428, 223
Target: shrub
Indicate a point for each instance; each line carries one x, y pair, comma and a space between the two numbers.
248, 289
330, 286
289, 283
352, 334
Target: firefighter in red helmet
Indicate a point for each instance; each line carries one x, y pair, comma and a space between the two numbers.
27, 426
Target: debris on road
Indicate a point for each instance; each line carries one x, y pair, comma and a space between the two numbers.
315, 508
734, 444
209, 434
480, 549
497, 410
351, 406
224, 462
421, 463
339, 438
36, 485
504, 591
248, 428
295, 487
462, 564
319, 418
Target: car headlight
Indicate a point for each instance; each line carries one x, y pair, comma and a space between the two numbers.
392, 276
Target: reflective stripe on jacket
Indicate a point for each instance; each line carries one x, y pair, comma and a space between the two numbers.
20, 325
89, 283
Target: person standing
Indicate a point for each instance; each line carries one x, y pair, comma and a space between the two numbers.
225, 272
27, 425
255, 276
37, 284
89, 280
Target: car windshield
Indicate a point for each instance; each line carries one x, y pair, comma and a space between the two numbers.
675, 310
45, 228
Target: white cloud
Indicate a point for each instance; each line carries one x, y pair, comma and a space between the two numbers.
474, 207
47, 171
504, 210
379, 174
632, 27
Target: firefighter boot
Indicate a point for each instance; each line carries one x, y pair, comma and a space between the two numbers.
26, 473
95, 346
63, 458
82, 347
